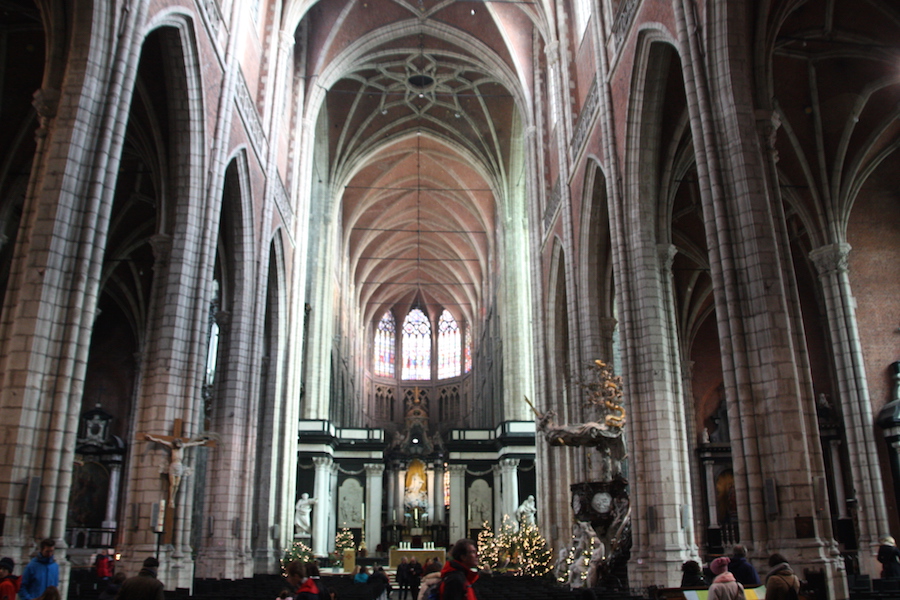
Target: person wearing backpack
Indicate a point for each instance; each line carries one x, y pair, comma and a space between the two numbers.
459, 573
781, 583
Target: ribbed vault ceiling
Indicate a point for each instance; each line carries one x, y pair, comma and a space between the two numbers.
421, 101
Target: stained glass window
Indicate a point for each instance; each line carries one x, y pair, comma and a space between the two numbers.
467, 350
449, 347
416, 346
384, 346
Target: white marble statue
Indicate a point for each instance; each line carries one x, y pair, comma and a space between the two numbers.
302, 522
526, 511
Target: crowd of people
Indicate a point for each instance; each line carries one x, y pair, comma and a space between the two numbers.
40, 578
728, 576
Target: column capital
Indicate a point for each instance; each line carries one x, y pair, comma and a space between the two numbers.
552, 52
161, 246
509, 464
666, 254
831, 259
457, 469
286, 41
323, 462
768, 122
374, 469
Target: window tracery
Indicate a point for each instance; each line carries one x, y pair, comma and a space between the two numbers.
416, 346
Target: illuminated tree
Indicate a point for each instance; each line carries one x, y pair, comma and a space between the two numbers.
522, 551
298, 551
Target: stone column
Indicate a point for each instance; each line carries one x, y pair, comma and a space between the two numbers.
457, 502
332, 503
498, 503
713, 531
438, 515
510, 493
112, 498
322, 509
840, 495
391, 493
400, 496
831, 262
432, 493
374, 493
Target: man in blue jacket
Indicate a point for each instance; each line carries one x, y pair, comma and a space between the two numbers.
40, 573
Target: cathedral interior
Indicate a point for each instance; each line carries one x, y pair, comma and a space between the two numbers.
274, 268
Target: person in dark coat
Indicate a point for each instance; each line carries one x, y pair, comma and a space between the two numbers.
379, 584
415, 577
112, 588
744, 572
889, 557
144, 585
692, 575
780, 579
402, 577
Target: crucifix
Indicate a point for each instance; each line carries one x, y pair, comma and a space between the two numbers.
177, 445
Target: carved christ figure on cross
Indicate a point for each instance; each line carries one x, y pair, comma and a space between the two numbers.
177, 445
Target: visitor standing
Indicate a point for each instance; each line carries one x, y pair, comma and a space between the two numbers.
144, 585
744, 572
402, 577
459, 574
41, 572
889, 557
415, 577
781, 583
692, 575
724, 586
9, 583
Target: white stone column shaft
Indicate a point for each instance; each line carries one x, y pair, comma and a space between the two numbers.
498, 502
510, 480
457, 502
332, 504
391, 493
323, 502
374, 493
438, 515
429, 477
112, 498
400, 496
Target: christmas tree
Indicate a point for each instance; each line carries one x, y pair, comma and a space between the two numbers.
523, 551
299, 551
532, 551
343, 539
